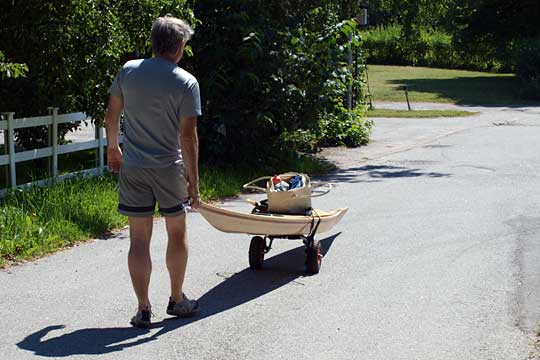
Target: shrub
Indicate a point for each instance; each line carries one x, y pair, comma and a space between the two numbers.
73, 49
264, 66
11, 70
385, 45
330, 77
527, 52
433, 48
349, 128
300, 139
381, 45
268, 78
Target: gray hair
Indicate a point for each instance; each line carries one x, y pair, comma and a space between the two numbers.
167, 34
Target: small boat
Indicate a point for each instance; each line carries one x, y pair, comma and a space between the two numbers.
269, 224
266, 224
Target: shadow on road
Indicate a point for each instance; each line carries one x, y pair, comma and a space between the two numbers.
376, 173
236, 290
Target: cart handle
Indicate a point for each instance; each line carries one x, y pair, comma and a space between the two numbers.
294, 196
323, 192
250, 185
313, 195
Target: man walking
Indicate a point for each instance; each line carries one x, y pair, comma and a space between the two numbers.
159, 163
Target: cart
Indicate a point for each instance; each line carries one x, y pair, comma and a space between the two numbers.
266, 227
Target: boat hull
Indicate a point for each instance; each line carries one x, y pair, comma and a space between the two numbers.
231, 221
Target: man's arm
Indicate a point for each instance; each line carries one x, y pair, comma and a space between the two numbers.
112, 127
189, 141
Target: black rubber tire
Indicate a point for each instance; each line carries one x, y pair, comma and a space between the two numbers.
256, 252
313, 258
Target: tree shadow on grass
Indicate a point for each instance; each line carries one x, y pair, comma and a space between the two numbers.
480, 90
236, 290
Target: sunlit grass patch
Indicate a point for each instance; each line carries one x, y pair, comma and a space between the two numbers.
444, 86
391, 113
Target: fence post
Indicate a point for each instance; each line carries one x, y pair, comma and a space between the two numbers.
54, 113
49, 144
6, 151
10, 139
101, 148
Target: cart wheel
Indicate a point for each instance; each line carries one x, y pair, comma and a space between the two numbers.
313, 258
256, 252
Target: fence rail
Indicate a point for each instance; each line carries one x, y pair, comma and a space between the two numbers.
12, 157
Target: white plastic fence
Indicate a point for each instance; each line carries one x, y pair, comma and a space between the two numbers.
11, 158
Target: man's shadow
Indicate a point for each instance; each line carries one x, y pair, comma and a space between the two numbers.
236, 290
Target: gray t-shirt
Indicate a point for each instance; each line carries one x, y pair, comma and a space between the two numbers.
156, 95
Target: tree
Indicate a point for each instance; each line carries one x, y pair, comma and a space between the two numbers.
73, 49
265, 67
498, 23
11, 70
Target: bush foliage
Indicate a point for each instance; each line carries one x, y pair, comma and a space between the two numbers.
385, 45
527, 55
481, 35
73, 49
273, 70
11, 70
265, 67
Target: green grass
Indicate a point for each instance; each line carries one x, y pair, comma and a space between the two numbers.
444, 86
390, 113
32, 170
38, 220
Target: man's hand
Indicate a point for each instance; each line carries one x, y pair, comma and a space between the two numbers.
193, 191
114, 158
112, 125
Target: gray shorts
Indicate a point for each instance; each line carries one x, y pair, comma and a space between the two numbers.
140, 188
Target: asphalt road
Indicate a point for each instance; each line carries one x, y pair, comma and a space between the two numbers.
438, 258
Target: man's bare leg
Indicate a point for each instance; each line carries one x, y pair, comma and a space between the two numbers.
139, 262
177, 254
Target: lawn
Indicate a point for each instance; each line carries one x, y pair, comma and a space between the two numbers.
390, 113
444, 86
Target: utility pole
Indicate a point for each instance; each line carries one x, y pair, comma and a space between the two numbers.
350, 61
363, 22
